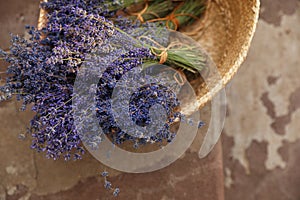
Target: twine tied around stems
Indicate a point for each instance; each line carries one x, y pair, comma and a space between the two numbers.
203, 21
173, 18
179, 76
139, 15
163, 55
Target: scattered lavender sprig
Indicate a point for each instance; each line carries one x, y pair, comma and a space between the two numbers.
108, 184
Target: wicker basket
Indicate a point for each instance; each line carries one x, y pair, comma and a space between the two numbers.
225, 32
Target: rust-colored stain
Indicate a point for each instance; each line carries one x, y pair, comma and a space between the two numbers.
272, 80
268, 104
280, 122
273, 10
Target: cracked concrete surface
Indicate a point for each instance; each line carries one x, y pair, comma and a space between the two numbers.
261, 140
259, 110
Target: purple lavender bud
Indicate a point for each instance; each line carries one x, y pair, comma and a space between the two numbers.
201, 124
104, 174
116, 192
107, 185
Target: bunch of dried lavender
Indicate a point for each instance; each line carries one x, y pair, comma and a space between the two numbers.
43, 68
175, 14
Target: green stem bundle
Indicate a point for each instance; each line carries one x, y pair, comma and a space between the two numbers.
184, 56
118, 5
156, 9
176, 54
185, 13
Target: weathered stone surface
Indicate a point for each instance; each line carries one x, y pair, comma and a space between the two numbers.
261, 111
15, 14
261, 143
273, 10
188, 178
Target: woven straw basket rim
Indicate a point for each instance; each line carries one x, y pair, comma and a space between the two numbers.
225, 32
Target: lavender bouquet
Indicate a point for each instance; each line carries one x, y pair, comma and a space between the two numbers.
43, 68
